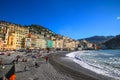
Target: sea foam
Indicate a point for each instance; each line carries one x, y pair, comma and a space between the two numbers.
99, 62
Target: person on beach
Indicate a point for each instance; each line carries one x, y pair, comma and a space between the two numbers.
3, 66
36, 65
8, 54
25, 60
17, 60
25, 67
46, 58
13, 62
4, 77
1, 62
13, 77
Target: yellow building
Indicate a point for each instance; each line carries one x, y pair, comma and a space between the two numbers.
21, 34
13, 35
27, 43
37, 41
66, 42
1, 44
16, 36
33, 38
11, 41
42, 43
59, 43
3, 37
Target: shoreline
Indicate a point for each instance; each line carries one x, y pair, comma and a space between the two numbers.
58, 68
74, 70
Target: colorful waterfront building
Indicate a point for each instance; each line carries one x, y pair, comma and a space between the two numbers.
13, 35
11, 45
37, 41
1, 44
50, 44
59, 43
42, 43
17, 35
3, 36
27, 43
21, 33
33, 38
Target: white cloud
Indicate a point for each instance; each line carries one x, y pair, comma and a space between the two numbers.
118, 17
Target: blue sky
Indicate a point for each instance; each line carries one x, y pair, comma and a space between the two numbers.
73, 18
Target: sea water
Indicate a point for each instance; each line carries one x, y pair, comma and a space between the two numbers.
105, 62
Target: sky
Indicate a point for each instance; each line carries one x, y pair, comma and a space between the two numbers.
73, 18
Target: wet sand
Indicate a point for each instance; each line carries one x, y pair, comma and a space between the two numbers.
74, 70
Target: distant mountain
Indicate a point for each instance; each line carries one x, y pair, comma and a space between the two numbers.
98, 39
113, 43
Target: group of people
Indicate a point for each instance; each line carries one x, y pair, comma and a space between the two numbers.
24, 60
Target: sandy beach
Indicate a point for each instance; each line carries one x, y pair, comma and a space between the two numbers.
58, 68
